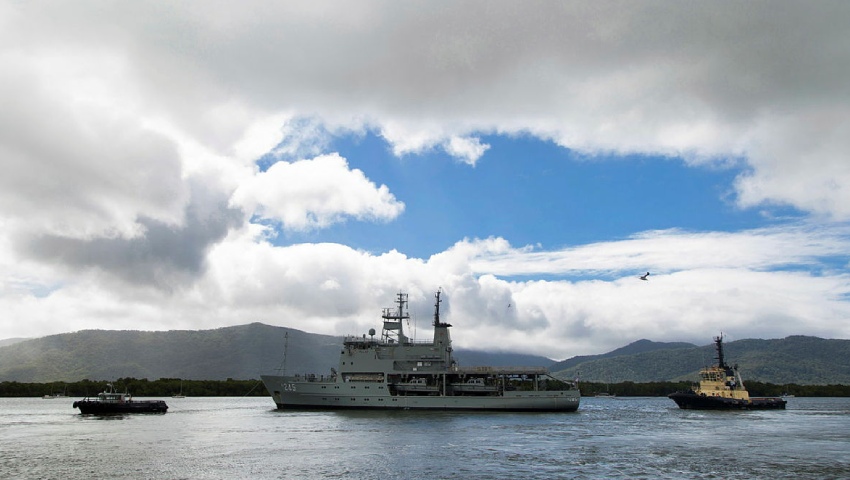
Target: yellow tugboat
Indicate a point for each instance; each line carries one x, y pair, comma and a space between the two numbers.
721, 388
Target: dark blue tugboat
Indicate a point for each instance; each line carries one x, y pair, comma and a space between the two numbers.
721, 388
110, 401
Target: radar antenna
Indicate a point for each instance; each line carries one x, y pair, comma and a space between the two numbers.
437, 322
393, 328
281, 370
718, 342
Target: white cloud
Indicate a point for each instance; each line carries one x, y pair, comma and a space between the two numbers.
708, 83
76, 161
801, 159
316, 193
125, 131
334, 289
470, 149
667, 251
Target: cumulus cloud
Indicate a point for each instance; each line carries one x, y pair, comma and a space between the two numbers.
161, 256
469, 149
76, 161
334, 289
129, 152
704, 83
316, 193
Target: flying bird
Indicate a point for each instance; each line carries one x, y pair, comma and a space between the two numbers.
643, 277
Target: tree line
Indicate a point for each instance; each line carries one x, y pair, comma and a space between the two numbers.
138, 388
254, 388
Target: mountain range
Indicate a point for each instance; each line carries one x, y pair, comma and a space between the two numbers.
247, 351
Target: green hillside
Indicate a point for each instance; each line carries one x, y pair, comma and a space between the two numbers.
247, 351
634, 348
240, 352
797, 359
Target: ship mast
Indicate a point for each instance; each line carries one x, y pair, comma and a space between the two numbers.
718, 342
393, 321
437, 322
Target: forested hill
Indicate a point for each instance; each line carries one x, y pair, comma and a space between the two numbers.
240, 352
247, 351
634, 348
796, 359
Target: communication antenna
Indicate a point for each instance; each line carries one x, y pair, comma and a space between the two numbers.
281, 370
413, 328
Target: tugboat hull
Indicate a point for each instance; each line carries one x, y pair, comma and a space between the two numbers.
694, 401
110, 402
100, 408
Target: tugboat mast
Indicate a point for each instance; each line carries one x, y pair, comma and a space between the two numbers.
718, 342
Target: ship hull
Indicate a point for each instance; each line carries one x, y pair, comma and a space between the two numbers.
102, 408
694, 401
288, 393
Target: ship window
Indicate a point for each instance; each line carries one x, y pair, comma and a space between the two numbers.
367, 387
353, 386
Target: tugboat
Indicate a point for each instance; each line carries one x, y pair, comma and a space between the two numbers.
110, 401
397, 372
721, 388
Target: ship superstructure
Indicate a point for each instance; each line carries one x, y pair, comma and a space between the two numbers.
397, 372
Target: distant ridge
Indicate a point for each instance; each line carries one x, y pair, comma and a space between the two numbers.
797, 359
634, 348
247, 351
240, 352
11, 341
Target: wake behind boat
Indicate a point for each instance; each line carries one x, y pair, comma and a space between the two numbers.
109, 401
721, 388
396, 372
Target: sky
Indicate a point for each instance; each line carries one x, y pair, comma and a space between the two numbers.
197, 165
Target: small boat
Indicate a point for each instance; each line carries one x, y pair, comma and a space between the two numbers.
476, 386
721, 388
110, 401
180, 394
51, 396
417, 386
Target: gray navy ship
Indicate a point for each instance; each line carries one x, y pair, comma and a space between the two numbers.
396, 372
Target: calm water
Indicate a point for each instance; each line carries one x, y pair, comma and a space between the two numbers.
244, 437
